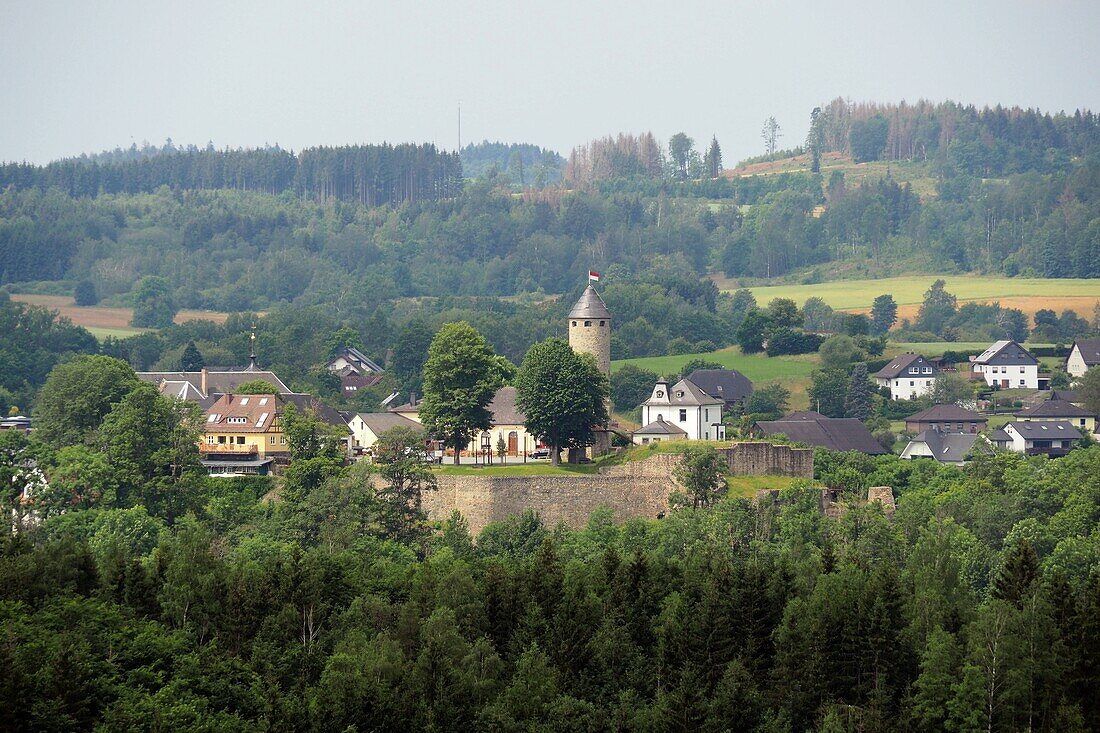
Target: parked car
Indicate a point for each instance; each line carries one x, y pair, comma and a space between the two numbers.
539, 453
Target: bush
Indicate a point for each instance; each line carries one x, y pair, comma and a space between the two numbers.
85, 293
791, 341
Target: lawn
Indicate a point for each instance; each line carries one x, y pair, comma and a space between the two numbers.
910, 289
793, 372
543, 468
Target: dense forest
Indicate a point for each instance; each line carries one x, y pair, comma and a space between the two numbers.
144, 595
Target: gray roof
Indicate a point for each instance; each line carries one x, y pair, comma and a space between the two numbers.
218, 381
660, 426
1090, 350
380, 422
900, 365
950, 446
999, 436
1045, 430
727, 385
590, 305
1064, 394
308, 403
685, 392
1055, 408
946, 413
1006, 352
834, 433
503, 408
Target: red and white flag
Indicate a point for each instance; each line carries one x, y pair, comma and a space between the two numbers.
593, 276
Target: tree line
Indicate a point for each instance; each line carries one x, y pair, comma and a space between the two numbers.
370, 174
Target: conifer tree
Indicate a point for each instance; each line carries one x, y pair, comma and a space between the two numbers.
858, 403
1016, 578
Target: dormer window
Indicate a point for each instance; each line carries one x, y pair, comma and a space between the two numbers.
680, 393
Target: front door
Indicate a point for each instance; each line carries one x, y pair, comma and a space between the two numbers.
1004, 384
513, 443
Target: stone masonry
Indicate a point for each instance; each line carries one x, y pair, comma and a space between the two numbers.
759, 458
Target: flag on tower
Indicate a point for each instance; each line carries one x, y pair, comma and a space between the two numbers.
593, 276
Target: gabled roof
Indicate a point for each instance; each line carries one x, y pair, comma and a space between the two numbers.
805, 415
218, 381
947, 413
362, 358
901, 363
502, 408
359, 380
1006, 352
727, 385
1089, 349
1055, 408
950, 447
834, 433
380, 422
1046, 430
308, 403
685, 393
660, 426
590, 305
1064, 395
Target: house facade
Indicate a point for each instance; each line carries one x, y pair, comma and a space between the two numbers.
353, 361
946, 419
908, 376
507, 424
1007, 365
1083, 356
367, 427
1060, 410
242, 435
687, 407
951, 448
1054, 439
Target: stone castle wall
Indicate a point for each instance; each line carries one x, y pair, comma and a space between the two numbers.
759, 458
636, 489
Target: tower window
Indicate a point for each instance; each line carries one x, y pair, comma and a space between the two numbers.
587, 324
601, 323
574, 323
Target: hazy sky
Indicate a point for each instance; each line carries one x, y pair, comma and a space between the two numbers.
83, 76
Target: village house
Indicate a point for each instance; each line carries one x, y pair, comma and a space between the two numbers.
353, 361
367, 427
1055, 438
1083, 356
728, 385
1058, 410
813, 428
951, 448
946, 419
686, 406
908, 376
1007, 365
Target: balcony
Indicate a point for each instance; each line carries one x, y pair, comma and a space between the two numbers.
229, 449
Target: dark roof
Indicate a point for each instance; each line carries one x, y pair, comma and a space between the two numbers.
1055, 408
805, 415
999, 436
363, 359
834, 433
946, 413
590, 305
308, 403
1006, 352
1064, 394
660, 426
900, 364
503, 410
725, 384
1090, 350
359, 380
949, 446
1045, 430
380, 422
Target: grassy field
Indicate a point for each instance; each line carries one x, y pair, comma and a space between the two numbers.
793, 372
529, 469
916, 174
105, 321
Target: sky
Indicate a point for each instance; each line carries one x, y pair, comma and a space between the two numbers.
84, 77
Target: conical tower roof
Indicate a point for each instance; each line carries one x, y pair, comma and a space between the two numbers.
590, 305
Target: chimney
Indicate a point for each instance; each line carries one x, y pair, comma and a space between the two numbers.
412, 398
202, 382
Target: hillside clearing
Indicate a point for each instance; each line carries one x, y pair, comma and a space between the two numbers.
105, 321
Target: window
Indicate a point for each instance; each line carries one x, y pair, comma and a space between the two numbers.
244, 401
210, 438
272, 440
237, 420
574, 323
1023, 382
351, 388
645, 441
240, 440
926, 370
601, 323
282, 441
587, 324
912, 383
221, 439
683, 415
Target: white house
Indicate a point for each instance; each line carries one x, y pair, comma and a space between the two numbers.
945, 447
1083, 356
367, 427
1055, 438
351, 360
687, 407
1007, 365
908, 376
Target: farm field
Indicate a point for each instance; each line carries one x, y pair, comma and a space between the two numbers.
915, 174
105, 321
793, 372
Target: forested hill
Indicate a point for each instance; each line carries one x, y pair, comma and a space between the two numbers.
369, 174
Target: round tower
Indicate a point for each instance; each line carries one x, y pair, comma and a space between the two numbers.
590, 328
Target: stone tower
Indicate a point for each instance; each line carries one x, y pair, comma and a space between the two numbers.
590, 328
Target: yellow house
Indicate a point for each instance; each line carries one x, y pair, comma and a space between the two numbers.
242, 435
1058, 410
